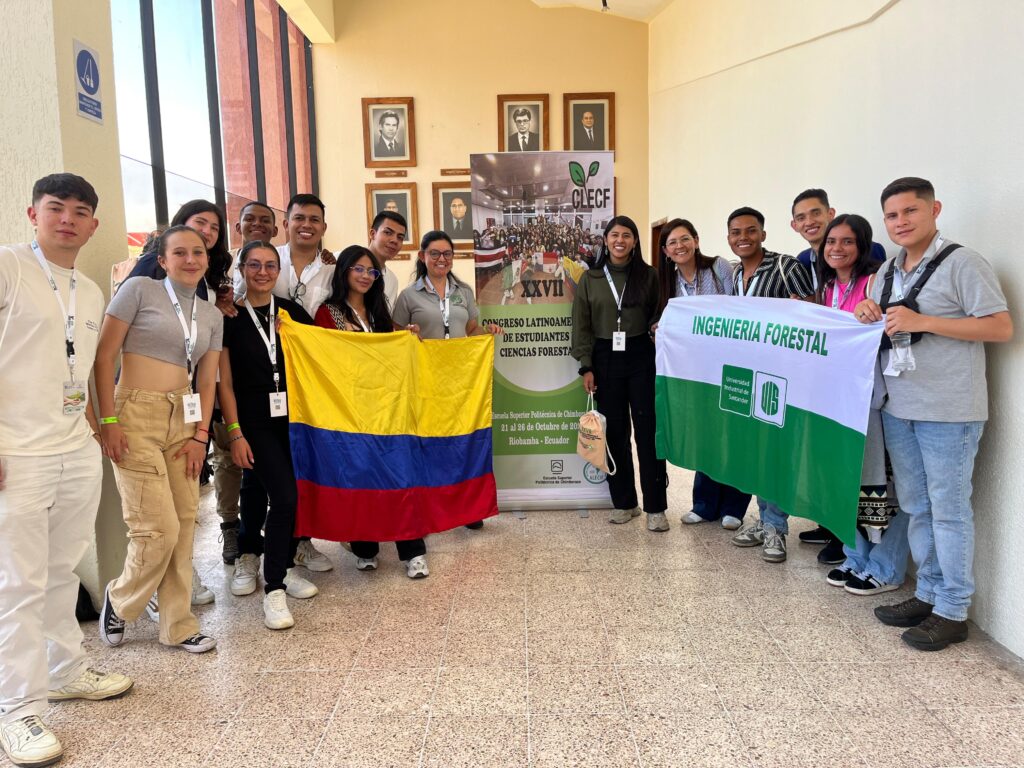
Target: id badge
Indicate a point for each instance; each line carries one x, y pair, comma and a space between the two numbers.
618, 341
74, 398
193, 409
278, 404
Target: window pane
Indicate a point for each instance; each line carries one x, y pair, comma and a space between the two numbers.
275, 148
300, 113
181, 72
139, 206
235, 104
129, 81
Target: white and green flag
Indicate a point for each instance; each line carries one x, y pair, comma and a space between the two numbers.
770, 396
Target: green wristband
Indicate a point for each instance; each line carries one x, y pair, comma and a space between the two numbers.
233, 426
108, 420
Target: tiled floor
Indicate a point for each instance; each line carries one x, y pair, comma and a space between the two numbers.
554, 641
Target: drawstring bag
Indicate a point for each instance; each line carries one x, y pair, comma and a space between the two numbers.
591, 444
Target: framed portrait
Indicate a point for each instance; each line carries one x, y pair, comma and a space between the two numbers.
523, 122
453, 212
588, 121
389, 133
400, 197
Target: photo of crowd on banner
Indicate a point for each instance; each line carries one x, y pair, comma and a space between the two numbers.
269, 362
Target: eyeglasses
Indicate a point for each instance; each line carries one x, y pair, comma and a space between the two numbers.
684, 240
255, 267
359, 269
438, 255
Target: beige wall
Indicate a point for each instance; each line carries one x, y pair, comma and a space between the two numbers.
454, 57
43, 134
926, 87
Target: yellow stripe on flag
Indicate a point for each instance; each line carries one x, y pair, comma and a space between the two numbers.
387, 383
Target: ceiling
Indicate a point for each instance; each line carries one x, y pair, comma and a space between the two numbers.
641, 10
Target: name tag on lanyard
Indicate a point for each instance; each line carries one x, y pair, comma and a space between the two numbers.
75, 394
619, 335
278, 399
190, 402
193, 408
278, 403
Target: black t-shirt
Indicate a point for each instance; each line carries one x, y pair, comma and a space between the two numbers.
251, 373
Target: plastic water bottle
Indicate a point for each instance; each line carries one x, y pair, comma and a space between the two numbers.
902, 352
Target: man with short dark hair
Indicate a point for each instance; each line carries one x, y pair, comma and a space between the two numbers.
387, 235
941, 301
51, 467
811, 215
771, 275
523, 139
388, 143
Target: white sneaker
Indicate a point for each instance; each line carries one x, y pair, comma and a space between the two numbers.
416, 568
692, 518
731, 523
153, 609
247, 572
312, 559
656, 521
297, 586
29, 742
94, 686
201, 594
620, 516
366, 563
275, 611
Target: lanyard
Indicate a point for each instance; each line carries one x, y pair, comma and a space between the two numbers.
359, 319
190, 335
271, 341
297, 280
618, 298
444, 305
897, 277
67, 312
836, 301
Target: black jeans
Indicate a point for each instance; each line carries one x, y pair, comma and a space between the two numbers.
272, 466
625, 389
406, 549
713, 500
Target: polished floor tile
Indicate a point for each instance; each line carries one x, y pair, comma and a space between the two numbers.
553, 641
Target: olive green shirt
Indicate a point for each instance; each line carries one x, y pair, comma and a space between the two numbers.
594, 312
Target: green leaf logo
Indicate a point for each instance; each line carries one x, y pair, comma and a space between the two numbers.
593, 169
576, 174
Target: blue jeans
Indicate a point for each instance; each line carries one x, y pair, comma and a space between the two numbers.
932, 465
713, 500
772, 515
885, 561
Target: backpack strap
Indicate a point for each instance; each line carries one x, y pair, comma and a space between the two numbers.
929, 270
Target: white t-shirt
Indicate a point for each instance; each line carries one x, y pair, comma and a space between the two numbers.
316, 280
33, 360
390, 288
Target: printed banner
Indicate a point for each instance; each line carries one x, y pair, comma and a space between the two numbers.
769, 396
390, 436
538, 217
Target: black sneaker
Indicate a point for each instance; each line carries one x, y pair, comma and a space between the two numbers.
476, 526
868, 586
818, 536
198, 643
909, 613
935, 633
111, 625
832, 553
229, 535
838, 577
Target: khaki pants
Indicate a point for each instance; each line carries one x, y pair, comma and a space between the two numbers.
159, 504
227, 477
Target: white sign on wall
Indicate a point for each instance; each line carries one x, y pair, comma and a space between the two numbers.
87, 83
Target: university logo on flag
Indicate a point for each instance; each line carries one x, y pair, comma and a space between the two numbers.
770, 398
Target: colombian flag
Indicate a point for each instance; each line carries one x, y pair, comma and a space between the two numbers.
390, 435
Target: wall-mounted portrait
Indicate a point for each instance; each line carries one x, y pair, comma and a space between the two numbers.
523, 122
389, 133
588, 121
453, 212
399, 197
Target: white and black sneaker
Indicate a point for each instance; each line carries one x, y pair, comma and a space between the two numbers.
868, 586
838, 577
111, 625
198, 643
153, 609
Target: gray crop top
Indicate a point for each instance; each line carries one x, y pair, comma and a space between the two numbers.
142, 302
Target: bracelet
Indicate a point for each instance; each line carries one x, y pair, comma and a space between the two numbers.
202, 429
201, 442
236, 437
233, 425
108, 420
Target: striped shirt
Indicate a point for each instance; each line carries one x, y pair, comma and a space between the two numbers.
778, 276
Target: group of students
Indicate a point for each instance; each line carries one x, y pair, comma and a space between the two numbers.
940, 302
196, 335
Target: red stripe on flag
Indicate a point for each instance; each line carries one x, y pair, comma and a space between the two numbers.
339, 514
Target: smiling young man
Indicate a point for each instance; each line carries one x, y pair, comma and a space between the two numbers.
949, 298
771, 275
50, 467
387, 235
